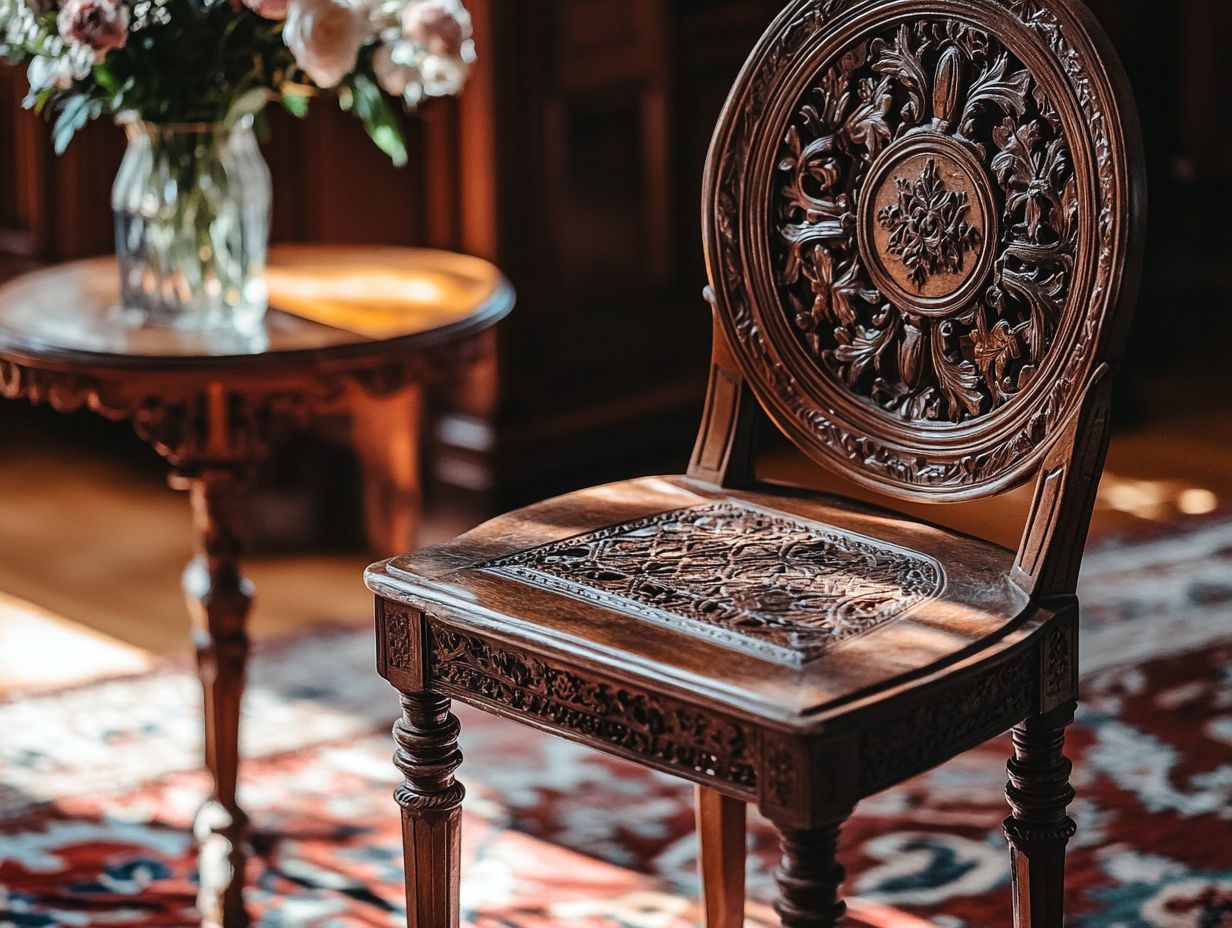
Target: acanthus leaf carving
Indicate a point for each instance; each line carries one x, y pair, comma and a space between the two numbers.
932, 229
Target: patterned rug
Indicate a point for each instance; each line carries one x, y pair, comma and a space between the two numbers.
97, 787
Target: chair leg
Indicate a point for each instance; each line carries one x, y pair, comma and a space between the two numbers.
431, 800
721, 832
1039, 830
809, 877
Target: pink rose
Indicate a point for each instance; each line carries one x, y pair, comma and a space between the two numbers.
441, 26
99, 25
325, 37
269, 9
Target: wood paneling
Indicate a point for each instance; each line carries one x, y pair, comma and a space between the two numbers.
603, 114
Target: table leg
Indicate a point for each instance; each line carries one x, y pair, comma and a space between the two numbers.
219, 596
386, 437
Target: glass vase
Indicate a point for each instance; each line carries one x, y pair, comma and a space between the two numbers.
192, 214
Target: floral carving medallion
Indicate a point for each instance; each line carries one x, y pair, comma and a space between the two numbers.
913, 241
932, 139
928, 225
747, 578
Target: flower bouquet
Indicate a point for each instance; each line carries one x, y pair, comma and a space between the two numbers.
189, 80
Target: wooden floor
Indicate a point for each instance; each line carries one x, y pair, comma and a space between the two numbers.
91, 547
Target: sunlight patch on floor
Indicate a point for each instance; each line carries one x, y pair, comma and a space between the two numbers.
39, 649
1155, 500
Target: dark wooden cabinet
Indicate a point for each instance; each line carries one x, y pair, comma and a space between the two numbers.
603, 111
574, 162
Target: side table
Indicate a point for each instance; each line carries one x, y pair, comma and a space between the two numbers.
350, 329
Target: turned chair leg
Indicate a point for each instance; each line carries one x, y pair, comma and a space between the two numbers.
809, 877
431, 801
1039, 830
721, 833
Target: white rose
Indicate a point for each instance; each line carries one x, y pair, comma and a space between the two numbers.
397, 71
45, 72
440, 26
443, 77
325, 37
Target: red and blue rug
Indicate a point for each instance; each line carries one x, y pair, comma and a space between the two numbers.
98, 785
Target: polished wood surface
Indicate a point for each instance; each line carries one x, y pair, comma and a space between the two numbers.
1039, 828
595, 627
352, 329
329, 303
953, 340
431, 801
362, 329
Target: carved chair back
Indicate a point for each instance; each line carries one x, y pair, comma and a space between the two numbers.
922, 230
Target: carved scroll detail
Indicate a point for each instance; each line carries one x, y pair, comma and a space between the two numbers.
907, 90
398, 646
173, 412
943, 721
741, 576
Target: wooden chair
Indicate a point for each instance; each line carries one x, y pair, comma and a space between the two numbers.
923, 228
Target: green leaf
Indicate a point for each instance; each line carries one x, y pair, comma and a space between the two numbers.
379, 119
296, 104
38, 101
76, 111
108, 81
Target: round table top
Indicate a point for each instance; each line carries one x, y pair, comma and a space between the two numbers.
327, 302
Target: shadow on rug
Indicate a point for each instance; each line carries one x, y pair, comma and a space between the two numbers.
97, 787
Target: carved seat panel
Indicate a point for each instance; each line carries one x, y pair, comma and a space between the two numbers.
792, 601
747, 577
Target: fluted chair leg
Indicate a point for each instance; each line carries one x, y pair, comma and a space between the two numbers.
431, 801
1038, 829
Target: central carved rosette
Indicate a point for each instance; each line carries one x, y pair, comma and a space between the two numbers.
928, 226
927, 214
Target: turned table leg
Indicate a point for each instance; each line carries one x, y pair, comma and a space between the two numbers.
219, 596
431, 801
1039, 830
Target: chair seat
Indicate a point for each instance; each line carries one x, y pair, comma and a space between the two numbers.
786, 606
